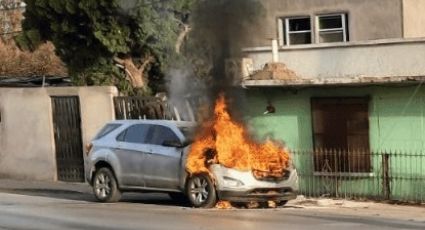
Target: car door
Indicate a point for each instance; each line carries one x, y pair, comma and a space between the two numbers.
161, 166
131, 152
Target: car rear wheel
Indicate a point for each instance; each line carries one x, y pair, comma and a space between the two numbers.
201, 191
105, 186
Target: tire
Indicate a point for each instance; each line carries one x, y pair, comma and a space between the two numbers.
105, 186
201, 192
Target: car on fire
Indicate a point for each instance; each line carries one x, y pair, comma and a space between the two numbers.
150, 156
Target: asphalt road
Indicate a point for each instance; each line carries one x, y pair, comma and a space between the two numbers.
146, 211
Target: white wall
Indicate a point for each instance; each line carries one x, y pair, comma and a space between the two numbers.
384, 58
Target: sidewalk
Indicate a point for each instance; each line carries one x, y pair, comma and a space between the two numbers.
363, 208
26, 185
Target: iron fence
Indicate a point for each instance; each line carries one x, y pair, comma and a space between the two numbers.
361, 174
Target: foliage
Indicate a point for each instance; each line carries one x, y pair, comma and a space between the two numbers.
15, 62
98, 39
10, 18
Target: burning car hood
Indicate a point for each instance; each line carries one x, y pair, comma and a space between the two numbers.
233, 179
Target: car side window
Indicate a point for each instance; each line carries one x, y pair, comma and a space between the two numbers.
121, 137
106, 130
134, 134
158, 134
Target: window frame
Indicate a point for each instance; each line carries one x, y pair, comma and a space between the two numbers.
287, 33
344, 27
315, 31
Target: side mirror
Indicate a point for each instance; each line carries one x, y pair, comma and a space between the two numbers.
172, 143
187, 142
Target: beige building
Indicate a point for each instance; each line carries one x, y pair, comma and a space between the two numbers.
342, 75
337, 42
323, 21
43, 130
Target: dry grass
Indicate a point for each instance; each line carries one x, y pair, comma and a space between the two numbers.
15, 62
43, 61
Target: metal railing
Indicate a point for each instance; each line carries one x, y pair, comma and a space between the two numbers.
136, 107
361, 174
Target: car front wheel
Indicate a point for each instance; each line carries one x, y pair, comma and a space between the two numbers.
201, 191
105, 186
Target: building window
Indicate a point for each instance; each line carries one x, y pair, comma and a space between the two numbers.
341, 134
297, 31
332, 28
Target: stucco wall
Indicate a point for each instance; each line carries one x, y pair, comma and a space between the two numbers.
368, 19
385, 58
414, 18
27, 148
26, 141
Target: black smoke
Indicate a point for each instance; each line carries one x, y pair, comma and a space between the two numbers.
221, 28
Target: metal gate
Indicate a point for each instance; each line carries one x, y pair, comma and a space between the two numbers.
68, 141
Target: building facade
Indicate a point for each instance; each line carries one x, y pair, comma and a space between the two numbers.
321, 21
349, 98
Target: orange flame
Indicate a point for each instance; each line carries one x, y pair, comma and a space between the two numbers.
224, 141
223, 205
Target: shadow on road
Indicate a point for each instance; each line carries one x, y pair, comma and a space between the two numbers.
161, 199
142, 198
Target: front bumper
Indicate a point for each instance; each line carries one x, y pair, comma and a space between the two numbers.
242, 186
247, 196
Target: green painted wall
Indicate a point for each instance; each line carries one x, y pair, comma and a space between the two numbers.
396, 125
397, 115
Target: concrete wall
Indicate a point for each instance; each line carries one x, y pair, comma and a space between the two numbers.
384, 58
396, 115
27, 148
368, 19
414, 18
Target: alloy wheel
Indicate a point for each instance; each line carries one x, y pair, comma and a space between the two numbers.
198, 190
103, 185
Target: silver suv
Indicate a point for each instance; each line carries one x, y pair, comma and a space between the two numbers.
150, 155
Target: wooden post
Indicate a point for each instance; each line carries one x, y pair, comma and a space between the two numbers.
386, 188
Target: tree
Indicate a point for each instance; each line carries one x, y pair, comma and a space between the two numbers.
121, 42
15, 62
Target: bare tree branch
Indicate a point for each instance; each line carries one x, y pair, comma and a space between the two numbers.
180, 39
146, 61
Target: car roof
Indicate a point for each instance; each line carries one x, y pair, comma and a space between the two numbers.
156, 122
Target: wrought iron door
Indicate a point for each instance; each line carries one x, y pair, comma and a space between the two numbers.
68, 141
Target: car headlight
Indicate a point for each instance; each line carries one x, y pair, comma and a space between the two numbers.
232, 182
